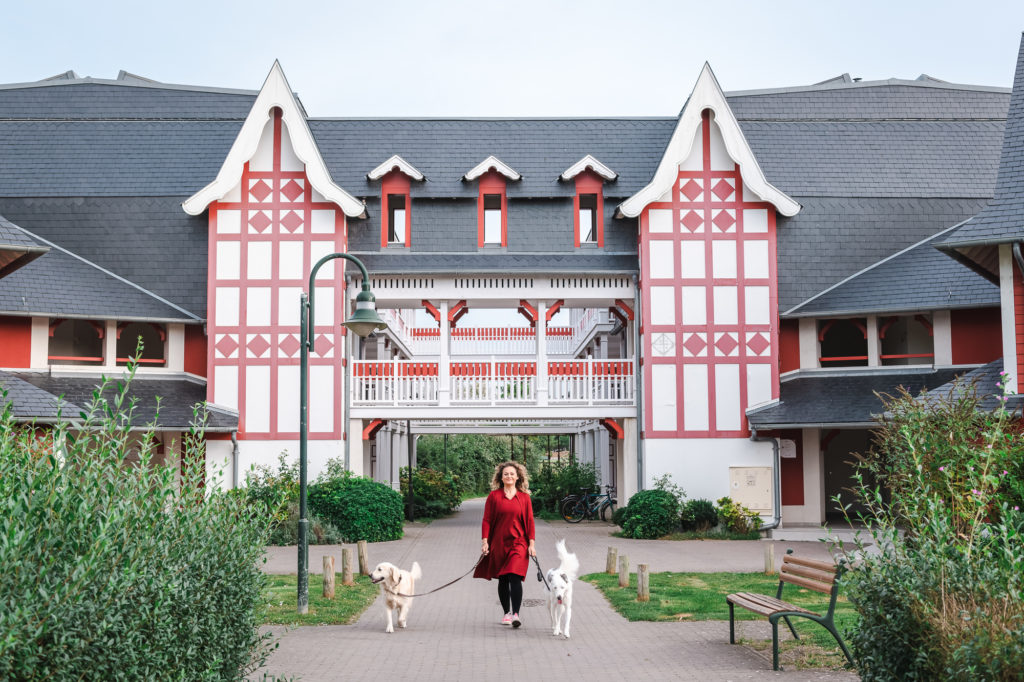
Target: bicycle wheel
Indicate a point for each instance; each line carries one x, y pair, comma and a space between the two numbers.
566, 508
607, 508
575, 513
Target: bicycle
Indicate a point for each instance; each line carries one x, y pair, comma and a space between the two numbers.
575, 508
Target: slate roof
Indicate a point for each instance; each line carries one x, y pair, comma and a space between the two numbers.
31, 403
1003, 219
62, 284
821, 399
984, 381
916, 279
17, 249
177, 398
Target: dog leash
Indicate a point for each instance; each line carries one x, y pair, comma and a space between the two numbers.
540, 573
438, 589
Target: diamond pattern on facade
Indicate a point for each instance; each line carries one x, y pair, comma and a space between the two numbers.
323, 345
663, 344
723, 189
291, 221
257, 345
726, 343
692, 220
724, 221
292, 190
259, 221
259, 190
695, 344
757, 343
227, 345
691, 190
289, 345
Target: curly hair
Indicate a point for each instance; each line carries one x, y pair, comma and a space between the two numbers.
522, 485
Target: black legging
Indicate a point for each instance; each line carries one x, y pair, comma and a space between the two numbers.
510, 589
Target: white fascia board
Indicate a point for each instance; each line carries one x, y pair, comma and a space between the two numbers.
396, 162
707, 94
588, 162
492, 163
275, 93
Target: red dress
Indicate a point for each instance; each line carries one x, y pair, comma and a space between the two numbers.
508, 527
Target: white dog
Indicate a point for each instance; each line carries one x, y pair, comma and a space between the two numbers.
559, 589
394, 583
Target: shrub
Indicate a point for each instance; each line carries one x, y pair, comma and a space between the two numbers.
434, 493
286, 531
650, 514
943, 601
736, 518
116, 568
699, 515
360, 508
554, 482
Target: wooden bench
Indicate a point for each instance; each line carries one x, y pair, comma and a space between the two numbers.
809, 573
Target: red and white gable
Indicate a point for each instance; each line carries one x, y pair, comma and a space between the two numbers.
708, 277
273, 212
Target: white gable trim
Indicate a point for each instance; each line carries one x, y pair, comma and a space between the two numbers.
396, 162
588, 162
707, 95
274, 93
492, 163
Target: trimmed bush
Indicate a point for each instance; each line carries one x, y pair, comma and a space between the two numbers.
360, 508
650, 514
116, 568
434, 493
286, 531
699, 515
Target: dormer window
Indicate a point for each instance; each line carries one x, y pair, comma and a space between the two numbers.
588, 204
492, 204
395, 175
492, 218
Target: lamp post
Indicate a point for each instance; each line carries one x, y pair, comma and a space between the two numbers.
364, 321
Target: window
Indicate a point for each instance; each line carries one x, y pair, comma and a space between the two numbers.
906, 340
154, 337
396, 218
76, 342
587, 218
843, 343
492, 219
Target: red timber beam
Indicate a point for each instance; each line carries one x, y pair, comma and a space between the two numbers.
553, 309
372, 428
528, 311
457, 311
613, 428
434, 312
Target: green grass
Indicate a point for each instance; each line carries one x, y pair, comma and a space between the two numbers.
701, 596
712, 535
348, 604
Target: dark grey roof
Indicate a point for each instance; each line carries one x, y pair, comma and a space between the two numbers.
17, 249
177, 397
31, 403
149, 241
1003, 219
62, 284
834, 399
915, 279
983, 382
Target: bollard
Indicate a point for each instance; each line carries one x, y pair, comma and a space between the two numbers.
346, 567
643, 585
328, 577
769, 558
623, 571
364, 562
609, 566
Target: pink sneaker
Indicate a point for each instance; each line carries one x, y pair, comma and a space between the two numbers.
507, 620
515, 620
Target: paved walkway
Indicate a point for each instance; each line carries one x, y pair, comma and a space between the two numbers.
455, 634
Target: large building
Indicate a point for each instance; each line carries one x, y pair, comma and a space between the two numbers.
719, 295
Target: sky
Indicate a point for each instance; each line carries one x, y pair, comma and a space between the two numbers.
521, 58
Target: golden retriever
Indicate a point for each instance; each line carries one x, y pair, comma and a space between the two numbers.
394, 583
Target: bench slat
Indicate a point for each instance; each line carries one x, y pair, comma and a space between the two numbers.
809, 584
764, 604
810, 563
811, 573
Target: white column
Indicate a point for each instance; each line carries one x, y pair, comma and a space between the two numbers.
542, 353
627, 464
1009, 324
444, 368
942, 338
40, 343
176, 347
110, 344
808, 343
874, 342
814, 477
358, 452
602, 456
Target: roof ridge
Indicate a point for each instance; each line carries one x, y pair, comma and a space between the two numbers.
126, 83
109, 273
842, 85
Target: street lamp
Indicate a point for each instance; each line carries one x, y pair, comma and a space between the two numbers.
363, 322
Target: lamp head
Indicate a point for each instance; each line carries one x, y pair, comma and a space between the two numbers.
365, 320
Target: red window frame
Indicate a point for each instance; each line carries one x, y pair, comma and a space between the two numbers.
395, 182
491, 183
588, 182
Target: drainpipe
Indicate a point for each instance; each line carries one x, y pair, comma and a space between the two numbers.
640, 447
1018, 257
234, 458
776, 479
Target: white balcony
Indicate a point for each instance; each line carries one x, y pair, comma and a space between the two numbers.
486, 341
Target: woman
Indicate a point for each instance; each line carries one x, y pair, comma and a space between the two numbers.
508, 537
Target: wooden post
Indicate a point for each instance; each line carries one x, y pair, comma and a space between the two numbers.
328, 577
643, 585
623, 571
609, 566
364, 561
769, 558
346, 567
